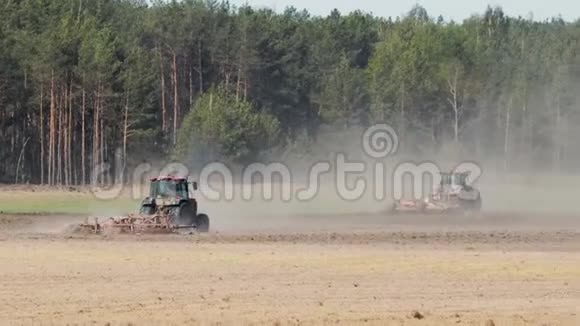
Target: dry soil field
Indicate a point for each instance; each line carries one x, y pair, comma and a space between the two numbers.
365, 268
442, 272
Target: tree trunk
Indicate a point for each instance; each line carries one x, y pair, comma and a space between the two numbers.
163, 108
79, 11
239, 80
65, 135
51, 133
41, 134
95, 158
83, 140
18, 169
456, 124
199, 66
190, 87
125, 132
453, 85
70, 134
557, 139
434, 131
402, 113
102, 144
175, 99
507, 135
526, 147
102, 147
59, 140
565, 142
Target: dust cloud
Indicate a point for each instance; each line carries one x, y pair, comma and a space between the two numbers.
537, 200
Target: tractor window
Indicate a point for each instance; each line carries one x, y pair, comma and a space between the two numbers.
181, 190
445, 179
460, 179
154, 190
453, 179
168, 188
163, 189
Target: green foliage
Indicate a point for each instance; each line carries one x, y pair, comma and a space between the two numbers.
227, 128
343, 100
130, 73
403, 69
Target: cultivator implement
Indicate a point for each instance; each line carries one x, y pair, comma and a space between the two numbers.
427, 206
158, 223
453, 194
168, 208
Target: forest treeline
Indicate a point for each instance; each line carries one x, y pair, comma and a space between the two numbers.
85, 83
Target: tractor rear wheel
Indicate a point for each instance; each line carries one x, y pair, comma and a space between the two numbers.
477, 204
202, 223
185, 214
471, 206
182, 215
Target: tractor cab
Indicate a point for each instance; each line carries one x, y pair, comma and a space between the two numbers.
170, 196
170, 187
168, 192
452, 193
451, 185
454, 179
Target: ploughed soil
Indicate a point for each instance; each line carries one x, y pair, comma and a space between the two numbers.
376, 269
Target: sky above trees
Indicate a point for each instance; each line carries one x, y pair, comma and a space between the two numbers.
451, 9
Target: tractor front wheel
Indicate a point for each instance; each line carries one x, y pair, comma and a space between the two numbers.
147, 210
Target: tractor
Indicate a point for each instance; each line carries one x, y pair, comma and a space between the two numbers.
452, 194
170, 196
169, 208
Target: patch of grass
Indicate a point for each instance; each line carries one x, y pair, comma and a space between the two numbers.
61, 202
